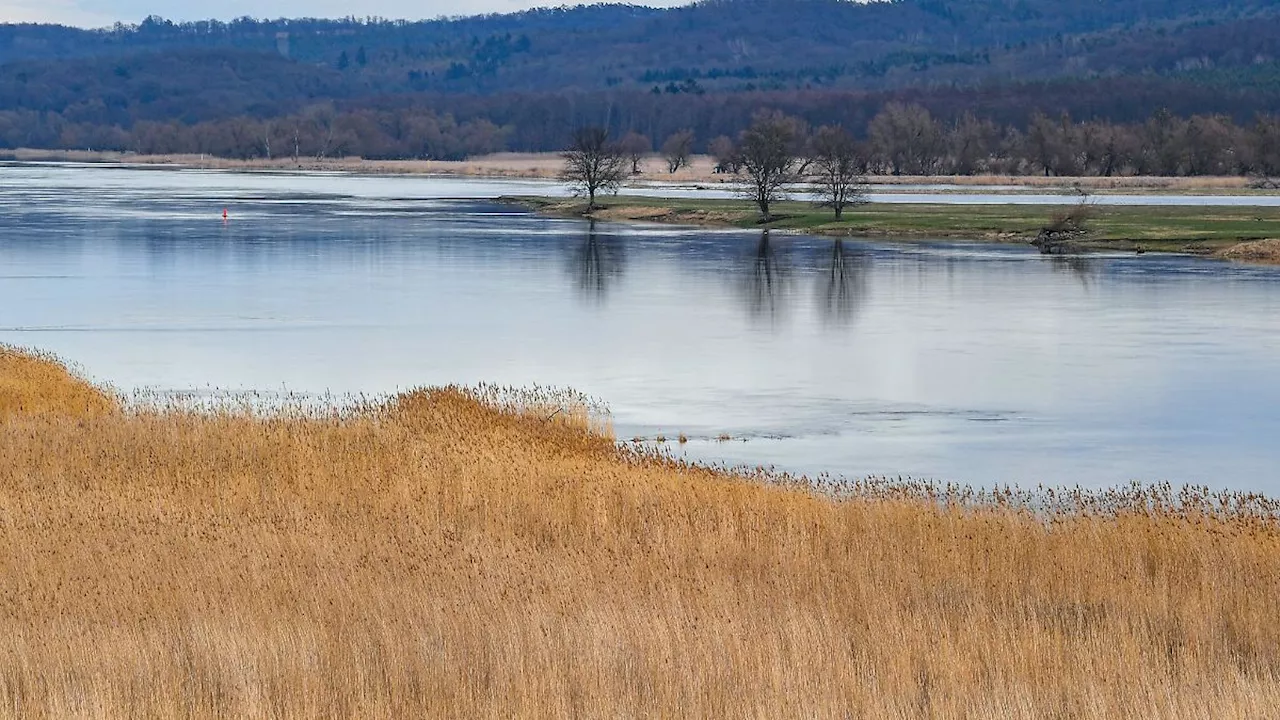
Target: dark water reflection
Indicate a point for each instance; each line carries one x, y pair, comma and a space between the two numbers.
767, 279
1081, 267
598, 262
948, 360
843, 284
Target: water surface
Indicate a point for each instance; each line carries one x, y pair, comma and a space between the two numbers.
946, 360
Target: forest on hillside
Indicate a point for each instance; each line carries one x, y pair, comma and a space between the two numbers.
716, 44
454, 87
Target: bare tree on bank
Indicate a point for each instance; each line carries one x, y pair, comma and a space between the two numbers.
907, 139
592, 163
725, 153
1264, 145
268, 127
769, 152
634, 147
835, 170
677, 149
324, 122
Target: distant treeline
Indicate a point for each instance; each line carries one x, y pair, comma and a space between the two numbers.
907, 140
900, 138
319, 132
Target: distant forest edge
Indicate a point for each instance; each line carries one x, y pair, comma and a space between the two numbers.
928, 86
899, 140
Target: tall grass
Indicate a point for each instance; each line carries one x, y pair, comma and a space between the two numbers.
455, 553
33, 383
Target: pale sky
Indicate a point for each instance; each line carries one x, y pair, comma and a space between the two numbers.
98, 13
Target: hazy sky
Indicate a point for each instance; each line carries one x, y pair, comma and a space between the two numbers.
94, 13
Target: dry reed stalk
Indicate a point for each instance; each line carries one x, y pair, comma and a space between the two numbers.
25, 380
447, 553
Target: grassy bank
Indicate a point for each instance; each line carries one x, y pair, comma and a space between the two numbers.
456, 553
1197, 230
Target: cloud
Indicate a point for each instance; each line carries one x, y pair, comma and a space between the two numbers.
97, 13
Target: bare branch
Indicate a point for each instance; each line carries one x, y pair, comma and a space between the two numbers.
769, 152
592, 163
836, 170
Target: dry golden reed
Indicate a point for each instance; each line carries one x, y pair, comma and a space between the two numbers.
33, 383
455, 553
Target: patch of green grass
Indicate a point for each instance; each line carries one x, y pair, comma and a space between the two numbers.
1193, 229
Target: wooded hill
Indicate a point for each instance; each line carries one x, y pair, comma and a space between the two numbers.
720, 44
707, 66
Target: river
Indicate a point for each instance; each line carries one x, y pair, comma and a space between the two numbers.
945, 360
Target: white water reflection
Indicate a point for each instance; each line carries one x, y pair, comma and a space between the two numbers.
954, 361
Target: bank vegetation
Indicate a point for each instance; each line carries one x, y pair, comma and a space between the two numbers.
489, 553
1194, 230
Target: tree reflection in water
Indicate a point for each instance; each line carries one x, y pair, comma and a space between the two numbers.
597, 262
1082, 268
842, 284
768, 280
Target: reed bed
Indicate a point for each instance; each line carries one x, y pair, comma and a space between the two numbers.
466, 553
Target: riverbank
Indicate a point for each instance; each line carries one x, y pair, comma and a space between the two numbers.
1204, 231
452, 552
700, 171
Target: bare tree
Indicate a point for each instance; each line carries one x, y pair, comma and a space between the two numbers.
268, 127
972, 142
1055, 145
1212, 144
769, 153
677, 149
634, 147
322, 120
725, 153
1066, 226
1106, 148
907, 139
1266, 146
592, 163
1161, 146
835, 169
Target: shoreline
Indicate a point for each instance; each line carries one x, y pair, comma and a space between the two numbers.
546, 166
1250, 235
1234, 233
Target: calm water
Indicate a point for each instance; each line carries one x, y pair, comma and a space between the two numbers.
943, 360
